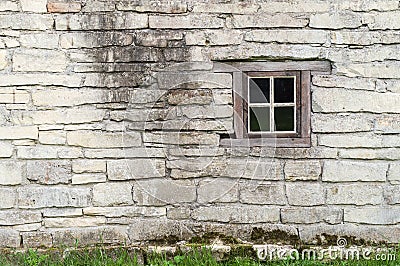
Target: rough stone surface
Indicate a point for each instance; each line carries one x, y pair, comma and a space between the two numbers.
115, 120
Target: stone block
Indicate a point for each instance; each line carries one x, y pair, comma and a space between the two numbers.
62, 212
23, 21
11, 238
97, 139
92, 40
388, 124
352, 171
236, 214
8, 197
305, 194
39, 60
89, 166
49, 172
382, 20
393, 174
351, 140
341, 123
74, 222
45, 197
15, 217
287, 36
217, 190
270, 21
37, 6
112, 194
66, 97
11, 172
302, 170
392, 195
214, 37
372, 215
52, 137
335, 21
160, 192
159, 7
6, 150
78, 179
259, 193
39, 40
305, 6
380, 70
135, 169
125, 211
37, 240
355, 194
8, 5
311, 215
186, 22
181, 138
19, 132
62, 7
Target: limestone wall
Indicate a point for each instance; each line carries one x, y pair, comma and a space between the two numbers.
112, 112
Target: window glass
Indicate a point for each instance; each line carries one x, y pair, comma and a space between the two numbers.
284, 90
284, 118
259, 90
259, 119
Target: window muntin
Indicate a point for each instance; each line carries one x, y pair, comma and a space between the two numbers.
271, 104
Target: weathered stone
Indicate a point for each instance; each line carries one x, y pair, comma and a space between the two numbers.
27, 227
49, 172
335, 21
158, 229
312, 215
181, 138
206, 111
11, 172
372, 215
62, 212
135, 169
389, 124
236, 8
351, 171
160, 192
46, 79
52, 137
305, 6
61, 7
33, 197
236, 214
63, 97
382, 20
302, 170
287, 36
214, 37
341, 100
89, 166
351, 140
37, 240
371, 70
26, 21
15, 217
98, 6
74, 222
185, 22
159, 7
178, 213
10, 238
40, 40
97, 139
169, 80
88, 178
268, 194
112, 194
63, 116
331, 81
91, 40
218, 190
8, 5
392, 195
108, 21
125, 211
394, 172
300, 195
38, 6
19, 132
89, 236
49, 152
361, 5
3, 59
6, 150
377, 154
39, 60
388, 85
8, 198
150, 152
333, 123
355, 194
270, 21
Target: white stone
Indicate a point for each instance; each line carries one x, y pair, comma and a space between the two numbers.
355, 194
372, 215
38, 6
7, 5
112, 194
97, 139
340, 123
39, 40
383, 20
335, 21
39, 60
352, 171
302, 170
74, 222
185, 22
287, 36
52, 137
3, 59
11, 173
125, 211
214, 37
89, 166
312, 194
135, 169
8, 197
88, 178
19, 132
6, 150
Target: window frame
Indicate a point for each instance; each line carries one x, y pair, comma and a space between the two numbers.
239, 71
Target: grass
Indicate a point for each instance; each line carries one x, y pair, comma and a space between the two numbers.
125, 257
